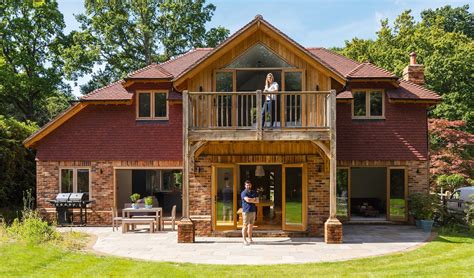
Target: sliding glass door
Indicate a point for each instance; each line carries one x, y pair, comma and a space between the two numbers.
397, 193
294, 197
224, 197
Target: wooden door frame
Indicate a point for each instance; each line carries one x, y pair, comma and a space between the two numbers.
214, 168
348, 216
389, 216
304, 198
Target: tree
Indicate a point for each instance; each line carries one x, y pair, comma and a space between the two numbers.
446, 52
31, 68
123, 36
455, 19
17, 164
452, 151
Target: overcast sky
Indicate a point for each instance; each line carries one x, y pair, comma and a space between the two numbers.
311, 23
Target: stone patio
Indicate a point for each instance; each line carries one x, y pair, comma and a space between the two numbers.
359, 241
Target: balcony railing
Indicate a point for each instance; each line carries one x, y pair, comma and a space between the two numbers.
258, 110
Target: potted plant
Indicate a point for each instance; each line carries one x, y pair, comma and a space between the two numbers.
134, 198
416, 203
424, 206
149, 202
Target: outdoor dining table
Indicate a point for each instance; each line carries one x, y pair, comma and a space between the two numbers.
128, 213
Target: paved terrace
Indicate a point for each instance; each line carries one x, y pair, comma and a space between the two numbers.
359, 241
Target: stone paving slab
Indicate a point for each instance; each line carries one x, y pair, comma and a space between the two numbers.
359, 241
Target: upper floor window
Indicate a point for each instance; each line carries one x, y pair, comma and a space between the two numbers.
368, 104
75, 180
259, 56
152, 105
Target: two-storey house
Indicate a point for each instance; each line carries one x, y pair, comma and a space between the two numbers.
341, 140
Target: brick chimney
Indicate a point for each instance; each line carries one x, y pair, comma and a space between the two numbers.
414, 72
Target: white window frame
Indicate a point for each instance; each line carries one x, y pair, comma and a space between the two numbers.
152, 104
367, 104
74, 178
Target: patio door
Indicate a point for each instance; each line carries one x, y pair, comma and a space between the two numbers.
397, 194
294, 203
224, 197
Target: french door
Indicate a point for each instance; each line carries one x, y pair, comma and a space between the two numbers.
294, 197
224, 197
397, 206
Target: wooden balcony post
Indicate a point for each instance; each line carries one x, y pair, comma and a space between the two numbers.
186, 158
259, 115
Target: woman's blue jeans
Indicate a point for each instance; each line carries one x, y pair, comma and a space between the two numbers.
267, 109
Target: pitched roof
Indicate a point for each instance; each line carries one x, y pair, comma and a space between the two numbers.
412, 91
152, 71
340, 63
368, 70
113, 91
180, 63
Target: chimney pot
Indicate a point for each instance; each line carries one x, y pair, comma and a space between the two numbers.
413, 58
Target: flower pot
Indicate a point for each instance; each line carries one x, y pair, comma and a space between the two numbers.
427, 225
135, 206
418, 223
148, 206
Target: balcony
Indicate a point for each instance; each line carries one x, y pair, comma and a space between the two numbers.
237, 116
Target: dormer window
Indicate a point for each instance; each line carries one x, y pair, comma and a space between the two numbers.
368, 104
152, 105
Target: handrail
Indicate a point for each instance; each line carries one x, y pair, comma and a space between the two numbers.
257, 110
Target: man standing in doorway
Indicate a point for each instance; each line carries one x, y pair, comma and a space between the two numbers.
249, 199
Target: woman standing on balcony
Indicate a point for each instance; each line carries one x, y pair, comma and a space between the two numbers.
270, 100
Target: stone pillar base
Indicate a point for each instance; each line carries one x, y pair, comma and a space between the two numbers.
333, 231
185, 231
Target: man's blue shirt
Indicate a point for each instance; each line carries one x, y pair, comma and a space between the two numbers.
248, 207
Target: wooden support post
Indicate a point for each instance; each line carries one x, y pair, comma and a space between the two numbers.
186, 158
332, 227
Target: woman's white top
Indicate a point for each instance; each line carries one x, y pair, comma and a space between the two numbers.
272, 88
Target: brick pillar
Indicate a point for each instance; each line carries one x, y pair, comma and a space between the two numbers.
333, 231
185, 231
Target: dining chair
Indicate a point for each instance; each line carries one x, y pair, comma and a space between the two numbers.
171, 218
115, 219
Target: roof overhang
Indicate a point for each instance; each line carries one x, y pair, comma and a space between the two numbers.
257, 24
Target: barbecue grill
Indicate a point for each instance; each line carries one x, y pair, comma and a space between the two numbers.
66, 202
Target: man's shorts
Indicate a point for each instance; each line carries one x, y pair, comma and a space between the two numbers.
249, 218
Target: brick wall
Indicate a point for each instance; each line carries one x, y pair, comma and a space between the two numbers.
102, 188
111, 132
401, 136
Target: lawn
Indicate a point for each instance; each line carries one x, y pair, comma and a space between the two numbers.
445, 256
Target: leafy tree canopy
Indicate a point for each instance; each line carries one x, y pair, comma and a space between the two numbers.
122, 36
31, 68
443, 43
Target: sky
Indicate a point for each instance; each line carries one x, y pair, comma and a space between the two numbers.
310, 23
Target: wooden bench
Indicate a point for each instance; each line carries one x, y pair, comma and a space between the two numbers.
126, 222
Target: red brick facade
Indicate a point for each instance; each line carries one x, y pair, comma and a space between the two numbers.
402, 135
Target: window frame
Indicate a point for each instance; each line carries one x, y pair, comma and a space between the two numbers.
152, 104
367, 103
74, 178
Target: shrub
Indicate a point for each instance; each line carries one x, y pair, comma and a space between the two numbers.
135, 197
423, 206
31, 229
149, 201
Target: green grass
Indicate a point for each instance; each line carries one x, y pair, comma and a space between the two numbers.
445, 256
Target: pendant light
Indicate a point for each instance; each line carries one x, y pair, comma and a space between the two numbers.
259, 172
